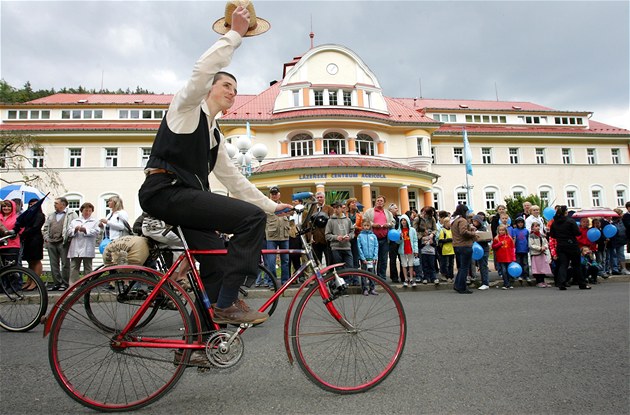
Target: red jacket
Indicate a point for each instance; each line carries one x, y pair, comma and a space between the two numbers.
504, 248
584, 241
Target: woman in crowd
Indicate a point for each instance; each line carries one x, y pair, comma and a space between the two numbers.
33, 245
117, 222
565, 231
464, 234
10, 251
83, 231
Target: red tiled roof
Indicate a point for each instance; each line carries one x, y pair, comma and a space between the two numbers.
104, 99
595, 128
335, 161
456, 104
70, 126
117, 99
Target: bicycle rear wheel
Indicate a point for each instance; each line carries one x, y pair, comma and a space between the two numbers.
349, 361
96, 372
21, 310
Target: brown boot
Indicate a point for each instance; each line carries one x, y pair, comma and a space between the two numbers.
238, 313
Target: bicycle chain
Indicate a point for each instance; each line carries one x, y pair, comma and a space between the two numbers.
172, 361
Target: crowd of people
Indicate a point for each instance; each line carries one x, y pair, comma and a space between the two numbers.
427, 247
434, 247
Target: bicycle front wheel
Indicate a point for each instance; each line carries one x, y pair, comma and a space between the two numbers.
21, 310
349, 360
94, 370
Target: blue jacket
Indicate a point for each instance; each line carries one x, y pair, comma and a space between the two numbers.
521, 240
368, 245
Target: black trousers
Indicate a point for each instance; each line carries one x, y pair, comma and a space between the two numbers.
201, 215
569, 267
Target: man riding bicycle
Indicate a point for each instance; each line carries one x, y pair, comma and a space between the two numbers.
187, 147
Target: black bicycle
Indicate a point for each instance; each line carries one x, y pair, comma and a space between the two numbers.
20, 309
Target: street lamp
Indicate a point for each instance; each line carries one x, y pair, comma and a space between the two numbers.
246, 152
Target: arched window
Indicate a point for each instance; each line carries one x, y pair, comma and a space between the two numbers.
546, 194
518, 191
491, 197
334, 143
301, 145
572, 196
74, 201
597, 196
621, 195
365, 145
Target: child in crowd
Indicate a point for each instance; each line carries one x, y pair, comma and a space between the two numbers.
520, 234
590, 267
504, 219
503, 246
479, 223
339, 232
408, 250
445, 243
540, 255
428, 257
367, 244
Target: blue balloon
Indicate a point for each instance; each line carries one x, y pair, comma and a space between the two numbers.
548, 213
610, 231
514, 269
103, 244
393, 235
593, 234
477, 251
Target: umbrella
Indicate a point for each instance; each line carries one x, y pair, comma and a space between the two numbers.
27, 217
20, 191
596, 213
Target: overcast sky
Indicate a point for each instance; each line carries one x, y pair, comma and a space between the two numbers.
568, 55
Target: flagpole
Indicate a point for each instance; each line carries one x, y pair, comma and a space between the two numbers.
468, 163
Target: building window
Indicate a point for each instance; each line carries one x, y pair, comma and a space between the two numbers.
332, 97
540, 156
301, 145
566, 156
486, 155
571, 198
373, 194
445, 117
347, 98
365, 145
368, 99
419, 145
144, 158
621, 197
74, 203
3, 159
568, 121
319, 97
38, 158
296, 97
111, 157
590, 156
614, 153
75, 157
596, 198
462, 198
334, 143
413, 203
490, 200
458, 155
513, 155
544, 196
436, 201
433, 155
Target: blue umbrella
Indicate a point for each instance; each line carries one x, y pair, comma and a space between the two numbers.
20, 191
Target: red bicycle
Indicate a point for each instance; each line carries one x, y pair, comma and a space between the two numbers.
135, 343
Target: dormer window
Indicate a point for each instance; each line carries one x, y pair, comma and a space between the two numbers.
347, 98
319, 97
332, 97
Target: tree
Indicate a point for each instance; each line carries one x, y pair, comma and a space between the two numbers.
13, 158
515, 205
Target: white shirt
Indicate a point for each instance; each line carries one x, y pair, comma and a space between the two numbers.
183, 118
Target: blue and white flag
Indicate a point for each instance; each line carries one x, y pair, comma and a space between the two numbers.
467, 154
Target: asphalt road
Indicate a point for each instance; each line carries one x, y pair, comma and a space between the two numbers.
524, 351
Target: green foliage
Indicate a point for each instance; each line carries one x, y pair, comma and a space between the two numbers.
12, 95
515, 205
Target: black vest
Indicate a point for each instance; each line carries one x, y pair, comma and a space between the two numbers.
189, 156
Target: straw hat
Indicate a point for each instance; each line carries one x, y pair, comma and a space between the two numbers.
257, 26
